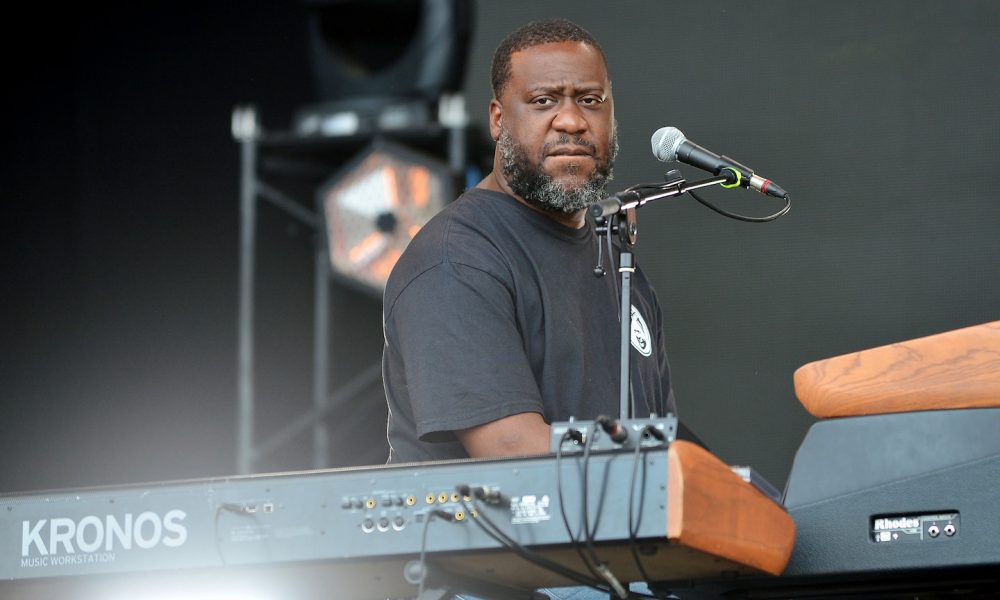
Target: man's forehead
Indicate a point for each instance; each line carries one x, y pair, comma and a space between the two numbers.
559, 64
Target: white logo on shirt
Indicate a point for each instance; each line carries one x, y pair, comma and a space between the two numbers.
640, 334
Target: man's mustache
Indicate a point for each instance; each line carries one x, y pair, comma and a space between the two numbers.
565, 139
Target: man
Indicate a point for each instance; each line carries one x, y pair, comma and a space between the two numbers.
495, 324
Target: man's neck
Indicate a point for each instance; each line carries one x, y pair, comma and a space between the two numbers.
495, 183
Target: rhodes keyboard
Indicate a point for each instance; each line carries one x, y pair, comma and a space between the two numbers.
358, 533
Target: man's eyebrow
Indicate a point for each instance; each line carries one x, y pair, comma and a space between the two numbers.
559, 88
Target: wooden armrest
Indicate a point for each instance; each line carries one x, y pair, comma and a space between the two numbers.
956, 369
711, 509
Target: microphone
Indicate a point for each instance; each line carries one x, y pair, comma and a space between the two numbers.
669, 144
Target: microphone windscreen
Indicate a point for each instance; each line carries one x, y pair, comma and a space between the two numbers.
666, 141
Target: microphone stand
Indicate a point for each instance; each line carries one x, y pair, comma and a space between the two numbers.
617, 214
617, 208
626, 400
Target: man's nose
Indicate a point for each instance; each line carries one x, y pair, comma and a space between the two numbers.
570, 119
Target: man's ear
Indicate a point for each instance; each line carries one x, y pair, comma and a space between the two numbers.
496, 119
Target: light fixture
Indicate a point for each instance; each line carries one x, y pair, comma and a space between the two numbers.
381, 65
376, 204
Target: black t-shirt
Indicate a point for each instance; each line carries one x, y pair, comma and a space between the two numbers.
494, 310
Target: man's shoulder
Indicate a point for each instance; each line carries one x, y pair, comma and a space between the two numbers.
466, 232
475, 219
478, 207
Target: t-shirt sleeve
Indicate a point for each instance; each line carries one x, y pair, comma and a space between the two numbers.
456, 331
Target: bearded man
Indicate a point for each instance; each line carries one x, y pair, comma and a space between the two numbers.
495, 324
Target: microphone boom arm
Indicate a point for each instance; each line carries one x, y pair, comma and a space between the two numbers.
640, 195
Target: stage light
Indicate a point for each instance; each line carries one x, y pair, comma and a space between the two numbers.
376, 204
380, 65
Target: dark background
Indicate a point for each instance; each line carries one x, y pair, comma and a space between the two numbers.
120, 186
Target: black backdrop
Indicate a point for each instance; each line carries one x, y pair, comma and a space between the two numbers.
120, 183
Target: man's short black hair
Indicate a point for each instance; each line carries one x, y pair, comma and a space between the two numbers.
536, 33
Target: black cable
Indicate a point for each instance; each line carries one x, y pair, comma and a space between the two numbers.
631, 389
614, 279
490, 528
599, 268
633, 526
230, 507
725, 213
562, 507
493, 531
218, 540
599, 566
587, 535
650, 186
423, 546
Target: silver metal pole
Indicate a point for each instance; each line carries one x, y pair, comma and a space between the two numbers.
321, 344
245, 130
452, 115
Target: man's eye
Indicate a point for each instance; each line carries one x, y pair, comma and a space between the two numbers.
544, 101
590, 100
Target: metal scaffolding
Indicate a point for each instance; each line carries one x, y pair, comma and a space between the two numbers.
246, 129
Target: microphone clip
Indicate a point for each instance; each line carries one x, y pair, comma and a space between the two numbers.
624, 224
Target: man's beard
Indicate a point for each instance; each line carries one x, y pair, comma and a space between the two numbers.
531, 182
